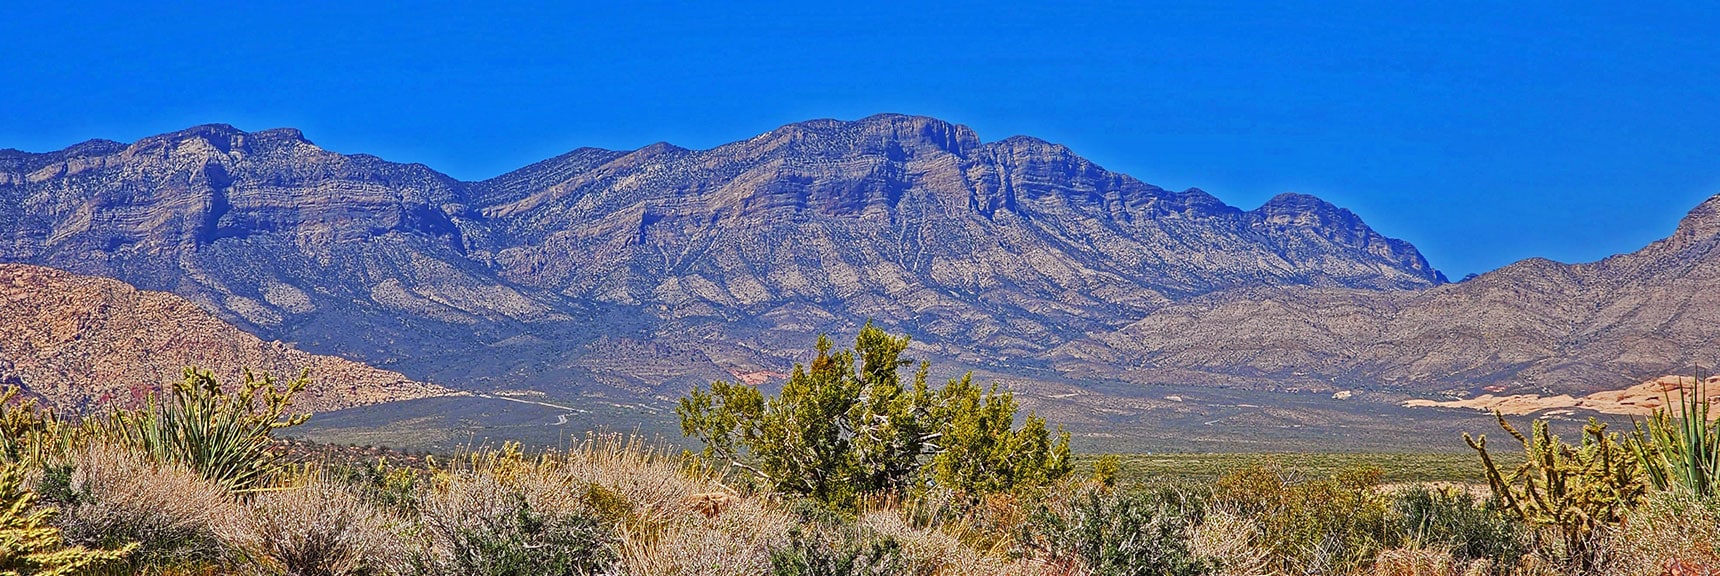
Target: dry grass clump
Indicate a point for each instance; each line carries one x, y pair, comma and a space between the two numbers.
647, 495
315, 527
511, 523
643, 472
618, 500
1231, 544
1425, 562
736, 542
941, 552
109, 497
1673, 532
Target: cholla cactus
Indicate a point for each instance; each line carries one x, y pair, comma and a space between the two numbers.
31, 434
29, 544
1574, 489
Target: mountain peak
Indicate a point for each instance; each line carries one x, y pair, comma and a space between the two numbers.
224, 137
1701, 222
1293, 214
885, 131
1297, 202
1304, 210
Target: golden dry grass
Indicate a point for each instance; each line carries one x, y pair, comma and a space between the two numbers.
1673, 533
316, 522
1424, 562
172, 511
316, 526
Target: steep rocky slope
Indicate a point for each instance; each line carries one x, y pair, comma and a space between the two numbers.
77, 341
1534, 326
639, 272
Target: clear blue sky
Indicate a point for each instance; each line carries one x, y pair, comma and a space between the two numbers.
1482, 132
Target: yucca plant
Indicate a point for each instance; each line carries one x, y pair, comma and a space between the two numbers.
225, 436
1682, 448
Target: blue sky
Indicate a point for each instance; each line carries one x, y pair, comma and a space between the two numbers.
1481, 132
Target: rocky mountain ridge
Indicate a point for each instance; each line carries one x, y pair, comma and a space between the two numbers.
1534, 326
637, 273
701, 263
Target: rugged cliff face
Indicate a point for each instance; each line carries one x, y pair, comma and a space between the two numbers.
78, 341
698, 264
999, 246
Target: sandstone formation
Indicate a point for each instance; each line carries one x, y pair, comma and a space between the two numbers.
80, 341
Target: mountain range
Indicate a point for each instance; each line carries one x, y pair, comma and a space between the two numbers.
635, 274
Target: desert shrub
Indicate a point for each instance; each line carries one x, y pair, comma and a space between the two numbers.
527, 542
1577, 491
110, 497
318, 528
841, 551
848, 426
1419, 561
31, 544
1105, 470
1466, 527
1141, 533
389, 487
1309, 526
1230, 544
979, 452
225, 436
516, 523
1672, 532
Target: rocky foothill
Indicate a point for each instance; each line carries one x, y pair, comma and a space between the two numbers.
77, 342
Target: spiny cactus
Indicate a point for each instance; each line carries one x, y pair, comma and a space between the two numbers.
1573, 489
29, 544
29, 433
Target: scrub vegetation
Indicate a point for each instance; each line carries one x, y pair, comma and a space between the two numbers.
857, 467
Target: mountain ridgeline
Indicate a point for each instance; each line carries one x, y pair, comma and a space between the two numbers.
637, 273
